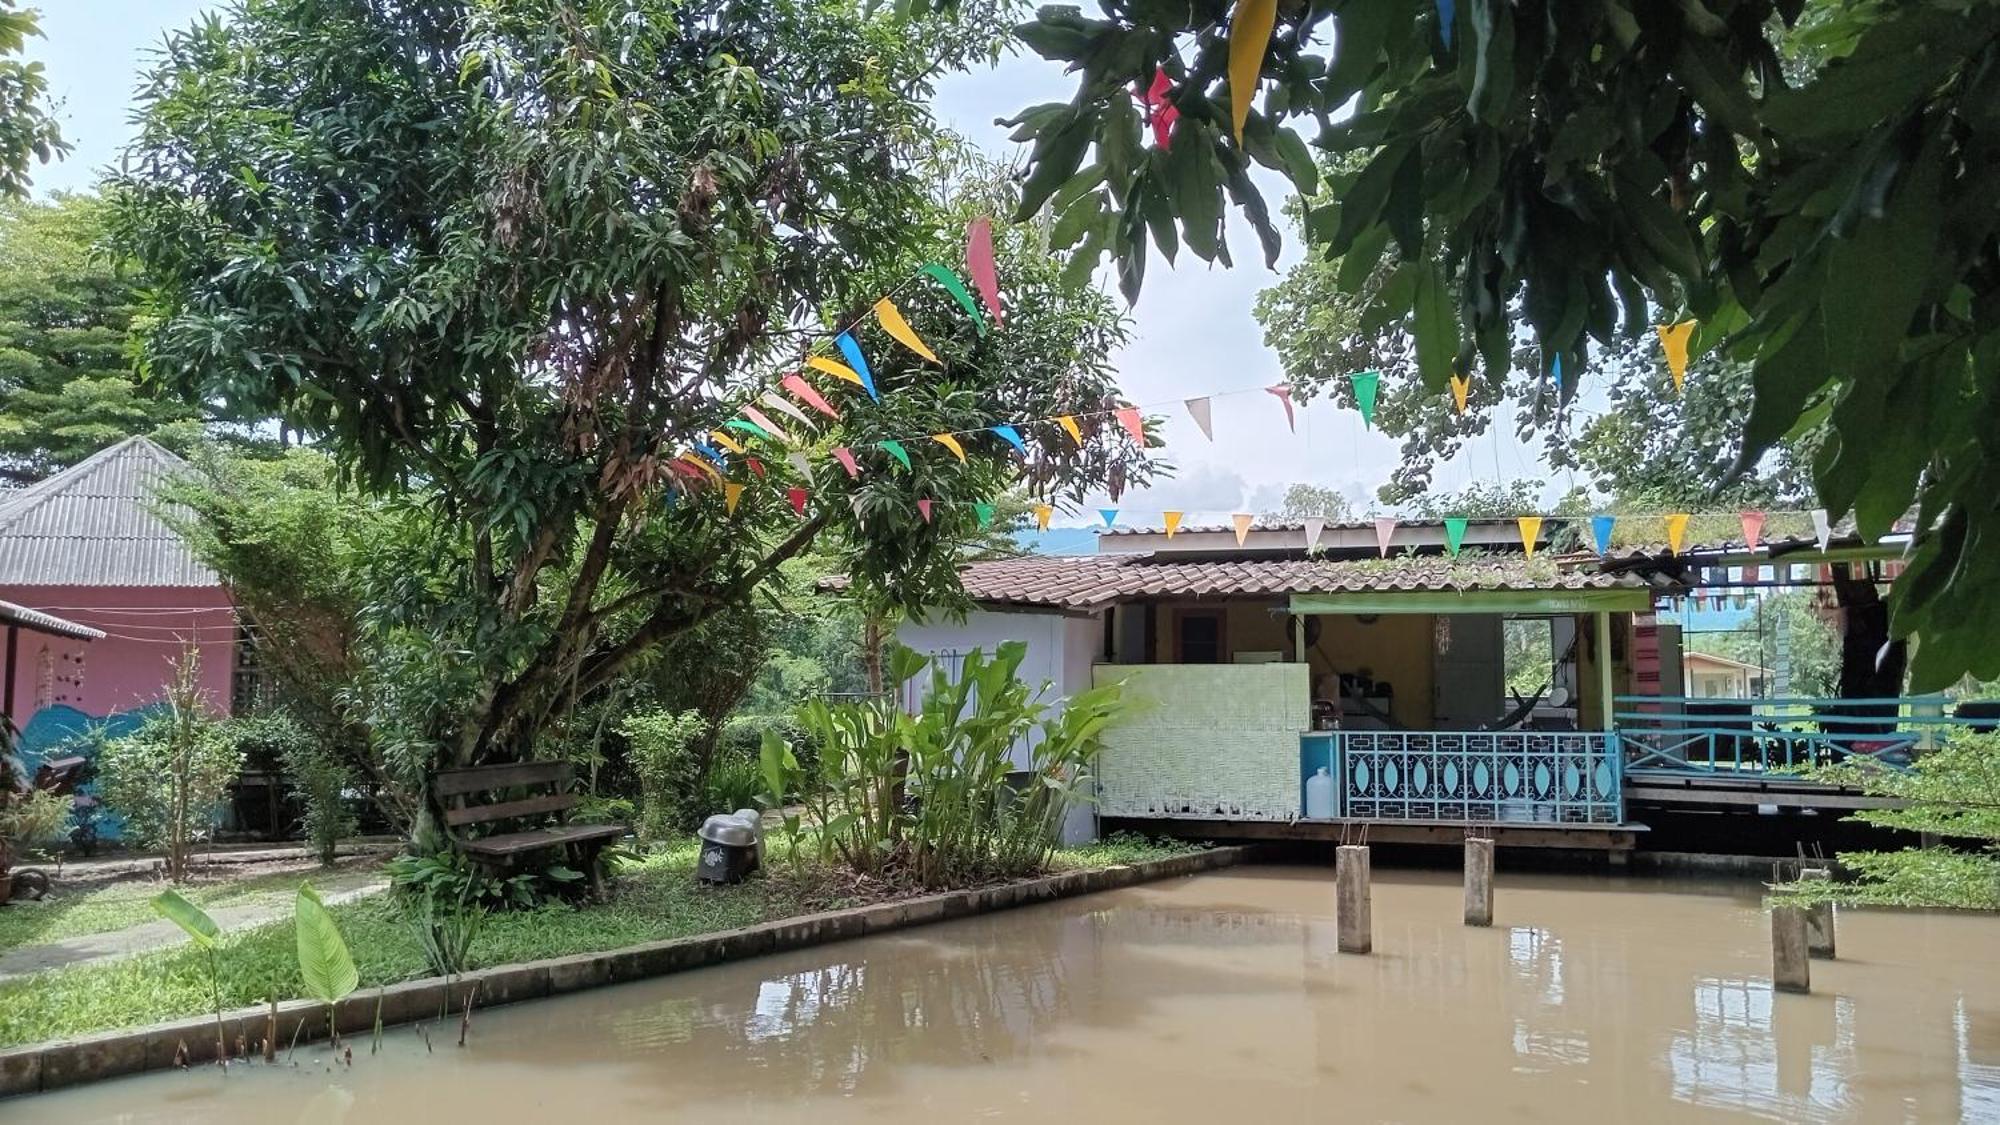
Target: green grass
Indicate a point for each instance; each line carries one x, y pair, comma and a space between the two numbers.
71, 912
1122, 848
657, 898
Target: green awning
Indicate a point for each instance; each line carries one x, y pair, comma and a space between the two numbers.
1612, 599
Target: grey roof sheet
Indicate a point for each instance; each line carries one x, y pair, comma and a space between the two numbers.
93, 524
39, 622
1089, 582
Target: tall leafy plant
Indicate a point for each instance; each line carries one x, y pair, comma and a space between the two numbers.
169, 776
206, 936
324, 963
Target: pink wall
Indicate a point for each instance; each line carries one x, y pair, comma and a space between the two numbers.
146, 629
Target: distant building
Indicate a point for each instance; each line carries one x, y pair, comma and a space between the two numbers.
1708, 676
88, 546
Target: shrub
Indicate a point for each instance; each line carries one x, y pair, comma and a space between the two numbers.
667, 773
317, 775
169, 776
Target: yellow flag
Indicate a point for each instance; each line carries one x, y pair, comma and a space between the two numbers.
1461, 389
893, 323
1674, 338
1173, 521
731, 494
727, 442
1531, 529
1677, 526
834, 368
1069, 425
1249, 35
1242, 520
951, 443
1042, 514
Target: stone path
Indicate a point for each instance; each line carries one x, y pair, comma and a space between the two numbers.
344, 886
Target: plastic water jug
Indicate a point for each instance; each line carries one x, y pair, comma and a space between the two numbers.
1319, 796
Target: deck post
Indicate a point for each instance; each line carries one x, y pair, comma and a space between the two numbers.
1791, 967
1354, 917
1299, 646
1819, 919
1603, 660
1478, 882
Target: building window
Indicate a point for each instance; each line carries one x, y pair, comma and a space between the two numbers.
1199, 637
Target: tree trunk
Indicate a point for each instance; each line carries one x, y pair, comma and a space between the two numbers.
1871, 665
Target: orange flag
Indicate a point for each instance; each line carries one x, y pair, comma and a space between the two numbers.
892, 322
1242, 520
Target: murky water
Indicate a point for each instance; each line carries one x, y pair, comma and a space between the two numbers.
1216, 999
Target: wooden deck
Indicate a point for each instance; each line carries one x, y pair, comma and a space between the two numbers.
1585, 837
1723, 791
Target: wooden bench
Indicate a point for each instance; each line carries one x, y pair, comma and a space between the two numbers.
521, 808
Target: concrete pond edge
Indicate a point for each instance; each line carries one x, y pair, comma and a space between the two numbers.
55, 1065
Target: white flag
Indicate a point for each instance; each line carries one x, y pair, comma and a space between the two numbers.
798, 461
1197, 409
1314, 525
1821, 527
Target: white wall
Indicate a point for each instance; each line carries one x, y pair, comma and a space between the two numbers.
1060, 651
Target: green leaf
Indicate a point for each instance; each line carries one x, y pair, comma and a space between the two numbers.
1493, 52
1361, 205
1058, 152
1436, 329
324, 963
200, 928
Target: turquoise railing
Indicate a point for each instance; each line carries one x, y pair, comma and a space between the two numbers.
1549, 777
1675, 734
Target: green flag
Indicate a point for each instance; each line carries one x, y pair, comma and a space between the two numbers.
985, 514
956, 288
1366, 383
897, 451
1454, 533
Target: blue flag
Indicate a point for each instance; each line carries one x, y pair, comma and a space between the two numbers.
1110, 515
1600, 530
1012, 437
858, 362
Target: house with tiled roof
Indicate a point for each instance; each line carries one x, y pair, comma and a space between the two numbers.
88, 545
1297, 680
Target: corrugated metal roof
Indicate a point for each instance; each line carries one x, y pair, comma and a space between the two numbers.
1090, 582
37, 621
93, 524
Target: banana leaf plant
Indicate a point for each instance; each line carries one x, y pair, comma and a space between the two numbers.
206, 936
324, 963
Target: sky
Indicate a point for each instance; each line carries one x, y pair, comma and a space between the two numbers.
1193, 332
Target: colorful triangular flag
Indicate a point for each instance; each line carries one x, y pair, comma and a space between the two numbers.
1173, 522
732, 493
1556, 368
951, 443
1110, 515
1674, 339
1128, 417
845, 456
727, 442
1600, 531
1753, 528
1042, 514
764, 420
1199, 410
711, 453
1012, 437
1283, 393
1447, 12
1677, 525
798, 386
891, 319
895, 449
979, 260
785, 406
984, 513
1461, 390
852, 350
1822, 528
797, 496
836, 369
799, 464
1531, 530
1242, 520
956, 288
1250, 26
1454, 534
748, 427
1068, 423
1314, 527
1367, 384
756, 466
924, 507
1385, 531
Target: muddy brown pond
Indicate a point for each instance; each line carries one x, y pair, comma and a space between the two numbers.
1218, 999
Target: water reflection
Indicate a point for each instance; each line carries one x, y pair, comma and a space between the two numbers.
1219, 998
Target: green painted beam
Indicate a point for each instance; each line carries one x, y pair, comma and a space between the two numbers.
1616, 600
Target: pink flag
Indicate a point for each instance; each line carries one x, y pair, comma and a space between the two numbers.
979, 261
845, 456
1753, 528
1385, 530
798, 498
798, 386
764, 420
924, 506
1128, 417
1284, 395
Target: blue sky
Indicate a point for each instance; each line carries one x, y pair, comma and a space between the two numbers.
1193, 332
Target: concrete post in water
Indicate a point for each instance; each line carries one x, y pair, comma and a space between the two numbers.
1819, 919
1791, 968
1355, 918
1478, 882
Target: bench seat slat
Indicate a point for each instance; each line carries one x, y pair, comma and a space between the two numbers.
503, 810
507, 775
515, 842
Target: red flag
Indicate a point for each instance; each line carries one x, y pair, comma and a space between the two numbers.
924, 506
798, 498
1753, 528
756, 466
979, 261
1283, 393
1159, 111
1128, 417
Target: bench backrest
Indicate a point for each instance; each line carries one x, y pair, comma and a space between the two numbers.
456, 789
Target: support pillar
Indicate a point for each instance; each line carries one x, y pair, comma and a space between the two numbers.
1819, 919
1602, 658
1354, 918
1791, 968
1478, 882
